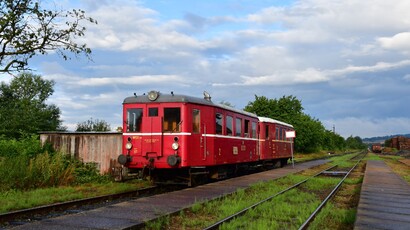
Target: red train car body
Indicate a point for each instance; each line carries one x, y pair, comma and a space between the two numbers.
179, 138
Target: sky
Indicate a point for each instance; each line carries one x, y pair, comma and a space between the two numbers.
347, 61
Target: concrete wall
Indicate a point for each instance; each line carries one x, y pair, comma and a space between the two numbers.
102, 148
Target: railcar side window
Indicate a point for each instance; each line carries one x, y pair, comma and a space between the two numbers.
218, 123
277, 133
246, 128
280, 134
266, 131
134, 120
153, 112
196, 127
172, 119
229, 125
253, 129
238, 127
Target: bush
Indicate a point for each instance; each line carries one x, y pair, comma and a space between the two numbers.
25, 164
28, 146
88, 173
44, 170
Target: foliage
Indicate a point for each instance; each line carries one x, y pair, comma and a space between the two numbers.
93, 125
333, 141
309, 134
355, 143
25, 164
27, 29
23, 108
15, 199
286, 109
28, 146
44, 170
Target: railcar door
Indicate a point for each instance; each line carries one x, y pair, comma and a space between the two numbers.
153, 136
199, 139
267, 153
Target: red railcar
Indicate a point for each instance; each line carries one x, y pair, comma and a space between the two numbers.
179, 138
274, 146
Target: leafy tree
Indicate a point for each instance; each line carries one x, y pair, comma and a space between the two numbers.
310, 134
333, 141
26, 29
93, 125
23, 108
355, 143
262, 106
287, 108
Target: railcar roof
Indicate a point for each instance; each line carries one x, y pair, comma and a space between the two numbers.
166, 98
270, 120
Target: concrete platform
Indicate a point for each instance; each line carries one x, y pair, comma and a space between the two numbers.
384, 199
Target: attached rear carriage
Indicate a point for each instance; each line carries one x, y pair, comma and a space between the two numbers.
180, 138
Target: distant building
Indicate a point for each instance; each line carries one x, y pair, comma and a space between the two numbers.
399, 143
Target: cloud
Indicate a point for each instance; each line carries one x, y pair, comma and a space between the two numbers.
369, 127
281, 78
398, 42
330, 54
312, 75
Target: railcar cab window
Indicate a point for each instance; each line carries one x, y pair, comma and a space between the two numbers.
153, 112
229, 125
238, 127
172, 120
134, 120
196, 118
218, 123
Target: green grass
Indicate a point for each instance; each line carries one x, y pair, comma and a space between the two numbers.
332, 217
16, 199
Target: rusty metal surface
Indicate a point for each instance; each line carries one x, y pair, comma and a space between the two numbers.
131, 214
101, 148
384, 199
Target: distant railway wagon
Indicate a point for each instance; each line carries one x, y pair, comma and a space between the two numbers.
182, 139
377, 148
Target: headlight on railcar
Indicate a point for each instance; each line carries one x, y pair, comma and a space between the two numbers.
128, 145
175, 146
153, 95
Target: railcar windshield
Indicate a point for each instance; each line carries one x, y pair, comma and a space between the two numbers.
172, 120
134, 120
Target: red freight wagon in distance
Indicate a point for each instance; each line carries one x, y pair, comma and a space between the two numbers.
182, 139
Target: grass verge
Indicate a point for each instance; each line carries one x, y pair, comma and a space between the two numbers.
16, 199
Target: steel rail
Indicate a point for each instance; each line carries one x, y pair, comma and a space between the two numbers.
313, 215
243, 211
45, 209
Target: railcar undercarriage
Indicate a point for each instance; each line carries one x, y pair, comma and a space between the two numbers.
193, 176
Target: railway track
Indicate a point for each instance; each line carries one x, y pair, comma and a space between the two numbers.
42, 212
357, 157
